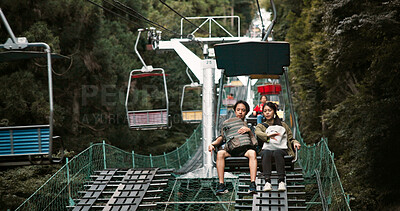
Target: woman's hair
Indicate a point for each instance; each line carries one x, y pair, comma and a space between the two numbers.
277, 120
245, 105
266, 98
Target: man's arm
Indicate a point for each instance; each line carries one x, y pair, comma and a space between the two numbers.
217, 142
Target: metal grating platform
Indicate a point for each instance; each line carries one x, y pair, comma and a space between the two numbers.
119, 190
292, 199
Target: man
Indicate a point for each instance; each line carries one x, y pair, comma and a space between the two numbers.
234, 130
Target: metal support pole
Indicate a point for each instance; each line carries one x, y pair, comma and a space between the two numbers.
136, 51
221, 86
165, 158
133, 159
104, 154
179, 158
285, 71
9, 30
90, 160
71, 202
269, 29
208, 109
188, 149
50, 82
151, 161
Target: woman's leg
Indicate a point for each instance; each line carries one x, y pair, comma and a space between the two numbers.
252, 155
259, 118
221, 155
266, 158
280, 163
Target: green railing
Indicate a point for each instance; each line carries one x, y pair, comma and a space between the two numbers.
58, 192
318, 164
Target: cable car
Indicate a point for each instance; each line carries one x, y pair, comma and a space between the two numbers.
191, 102
147, 87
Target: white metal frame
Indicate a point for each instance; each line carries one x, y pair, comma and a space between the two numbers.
148, 126
192, 85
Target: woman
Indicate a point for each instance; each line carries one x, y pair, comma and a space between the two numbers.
235, 129
257, 111
278, 140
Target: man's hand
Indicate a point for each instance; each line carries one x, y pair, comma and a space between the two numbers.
211, 148
243, 130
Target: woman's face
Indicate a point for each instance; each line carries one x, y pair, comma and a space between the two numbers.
263, 99
268, 113
240, 111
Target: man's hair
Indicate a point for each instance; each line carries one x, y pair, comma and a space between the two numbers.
245, 105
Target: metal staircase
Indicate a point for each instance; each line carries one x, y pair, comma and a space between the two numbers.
292, 199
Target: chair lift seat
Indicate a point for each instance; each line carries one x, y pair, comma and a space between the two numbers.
241, 164
229, 102
28, 140
148, 118
192, 116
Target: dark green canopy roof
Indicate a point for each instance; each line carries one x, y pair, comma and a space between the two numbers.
249, 58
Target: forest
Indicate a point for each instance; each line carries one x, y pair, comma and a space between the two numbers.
344, 75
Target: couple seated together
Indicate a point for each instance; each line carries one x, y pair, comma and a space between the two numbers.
237, 140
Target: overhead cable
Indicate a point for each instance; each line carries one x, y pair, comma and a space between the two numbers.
140, 16
197, 27
114, 13
110, 11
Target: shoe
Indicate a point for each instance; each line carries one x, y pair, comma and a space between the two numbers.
267, 186
282, 186
252, 188
222, 189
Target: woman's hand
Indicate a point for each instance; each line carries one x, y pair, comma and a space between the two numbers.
272, 135
211, 148
296, 145
243, 130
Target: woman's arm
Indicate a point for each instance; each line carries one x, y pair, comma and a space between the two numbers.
260, 133
290, 138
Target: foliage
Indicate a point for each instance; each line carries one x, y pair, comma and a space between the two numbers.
17, 184
345, 77
90, 87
